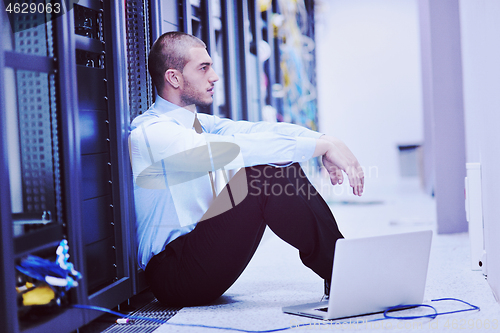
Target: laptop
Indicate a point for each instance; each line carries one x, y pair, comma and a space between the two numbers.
373, 274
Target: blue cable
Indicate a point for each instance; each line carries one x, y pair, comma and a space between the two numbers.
401, 307
433, 315
386, 316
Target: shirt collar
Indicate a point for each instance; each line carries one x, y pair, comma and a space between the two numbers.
183, 116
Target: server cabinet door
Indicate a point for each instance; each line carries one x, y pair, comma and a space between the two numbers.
104, 219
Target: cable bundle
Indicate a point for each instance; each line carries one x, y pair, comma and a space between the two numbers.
53, 279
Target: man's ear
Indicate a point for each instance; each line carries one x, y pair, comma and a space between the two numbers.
173, 77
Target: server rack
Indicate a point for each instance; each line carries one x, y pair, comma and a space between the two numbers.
95, 82
72, 178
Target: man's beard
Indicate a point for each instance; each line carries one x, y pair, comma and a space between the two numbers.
190, 97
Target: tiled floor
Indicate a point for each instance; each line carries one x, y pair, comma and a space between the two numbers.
276, 277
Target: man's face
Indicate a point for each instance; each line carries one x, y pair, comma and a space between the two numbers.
198, 78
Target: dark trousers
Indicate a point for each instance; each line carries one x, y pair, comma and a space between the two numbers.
200, 266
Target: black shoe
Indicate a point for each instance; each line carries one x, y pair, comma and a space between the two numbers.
327, 289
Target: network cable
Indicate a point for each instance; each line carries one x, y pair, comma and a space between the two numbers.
387, 316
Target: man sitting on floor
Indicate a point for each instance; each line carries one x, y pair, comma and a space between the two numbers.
195, 240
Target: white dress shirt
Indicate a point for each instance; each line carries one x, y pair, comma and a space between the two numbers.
170, 164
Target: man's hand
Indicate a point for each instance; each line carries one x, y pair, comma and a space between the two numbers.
337, 157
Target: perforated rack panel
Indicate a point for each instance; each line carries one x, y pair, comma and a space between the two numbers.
152, 310
38, 124
138, 41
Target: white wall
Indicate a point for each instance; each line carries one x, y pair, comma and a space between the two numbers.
480, 29
369, 80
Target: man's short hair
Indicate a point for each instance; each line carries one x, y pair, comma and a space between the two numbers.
170, 51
